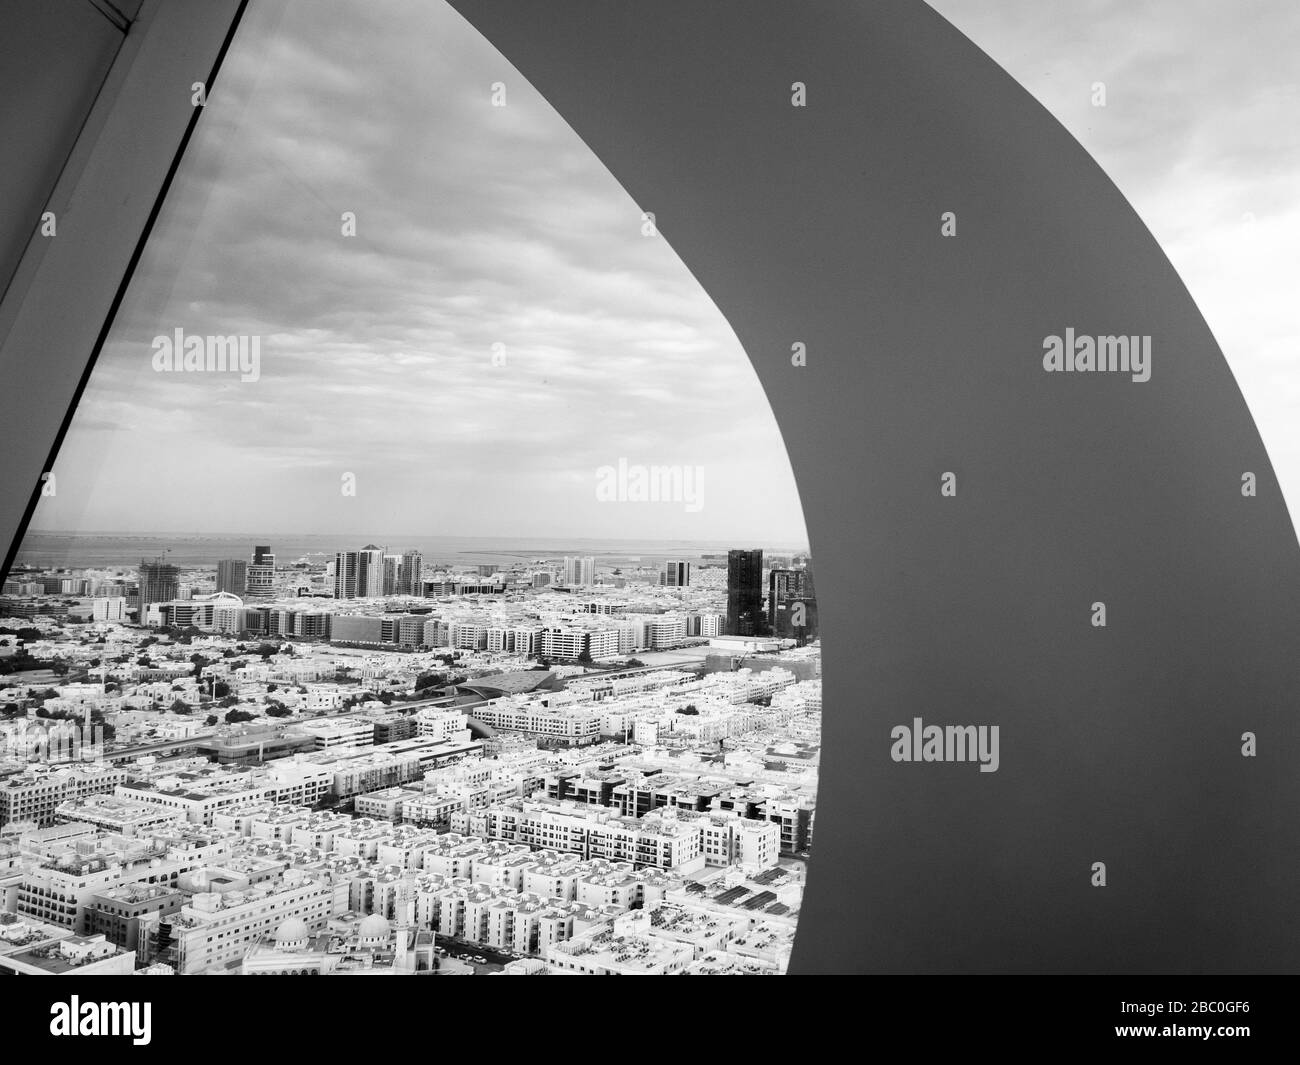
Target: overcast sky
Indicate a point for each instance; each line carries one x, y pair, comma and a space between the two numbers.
476, 225
1201, 132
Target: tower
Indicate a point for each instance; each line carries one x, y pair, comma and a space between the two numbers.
370, 571
232, 576
792, 604
410, 576
159, 583
675, 574
345, 574
260, 581
745, 592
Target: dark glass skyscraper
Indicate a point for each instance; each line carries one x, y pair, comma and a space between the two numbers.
745, 593
792, 604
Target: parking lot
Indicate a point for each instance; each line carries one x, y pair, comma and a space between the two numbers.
484, 959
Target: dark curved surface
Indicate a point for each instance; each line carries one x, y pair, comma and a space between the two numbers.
1122, 745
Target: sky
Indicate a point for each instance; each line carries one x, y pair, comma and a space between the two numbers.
1201, 133
476, 225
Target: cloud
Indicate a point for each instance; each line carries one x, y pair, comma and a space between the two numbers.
476, 226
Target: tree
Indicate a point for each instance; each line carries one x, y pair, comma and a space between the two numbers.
179, 706
272, 687
236, 716
688, 709
584, 656
229, 700
220, 689
211, 720
278, 710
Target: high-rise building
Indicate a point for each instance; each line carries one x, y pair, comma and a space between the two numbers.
370, 571
345, 575
232, 576
410, 574
675, 575
745, 593
260, 578
159, 583
392, 565
579, 572
792, 604
359, 574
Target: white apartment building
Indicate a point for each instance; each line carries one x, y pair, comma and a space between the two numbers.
215, 930
61, 889
37, 792
199, 806
339, 732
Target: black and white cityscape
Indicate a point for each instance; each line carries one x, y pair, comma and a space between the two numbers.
385, 761
421, 586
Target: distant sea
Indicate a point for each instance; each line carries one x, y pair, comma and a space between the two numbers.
113, 549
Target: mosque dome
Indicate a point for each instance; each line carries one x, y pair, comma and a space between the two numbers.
374, 928
291, 933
